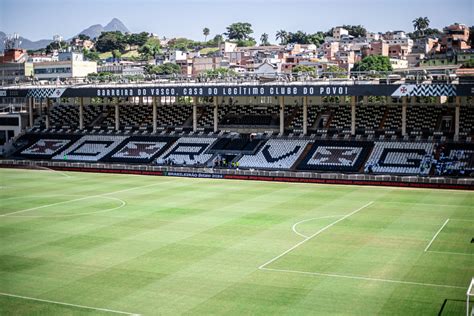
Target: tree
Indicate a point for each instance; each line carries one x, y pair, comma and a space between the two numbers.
165, 69
182, 43
138, 39
316, 38
304, 69
91, 55
217, 40
301, 37
108, 41
373, 62
468, 64
55, 46
333, 71
206, 32
239, 31
151, 49
282, 35
83, 37
116, 54
250, 42
356, 30
264, 40
421, 24
429, 32
353, 30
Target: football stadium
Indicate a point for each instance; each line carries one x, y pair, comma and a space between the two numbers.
254, 208
329, 174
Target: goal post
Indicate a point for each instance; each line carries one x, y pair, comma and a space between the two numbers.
470, 299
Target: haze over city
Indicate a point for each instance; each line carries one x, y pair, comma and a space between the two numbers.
186, 18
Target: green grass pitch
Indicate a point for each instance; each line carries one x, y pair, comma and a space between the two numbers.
102, 244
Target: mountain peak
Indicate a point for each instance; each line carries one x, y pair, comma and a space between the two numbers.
95, 30
116, 25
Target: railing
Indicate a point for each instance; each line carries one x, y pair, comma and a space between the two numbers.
297, 176
417, 76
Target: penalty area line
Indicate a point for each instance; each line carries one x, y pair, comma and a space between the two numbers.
354, 277
68, 304
315, 234
436, 235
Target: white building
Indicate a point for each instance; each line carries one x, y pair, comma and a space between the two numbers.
398, 63
69, 65
228, 47
338, 32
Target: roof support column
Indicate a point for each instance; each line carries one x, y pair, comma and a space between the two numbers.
353, 115
456, 116
215, 112
30, 110
47, 112
154, 101
195, 114
282, 114
305, 115
117, 116
404, 116
81, 113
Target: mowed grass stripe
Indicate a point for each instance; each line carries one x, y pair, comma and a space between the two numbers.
193, 246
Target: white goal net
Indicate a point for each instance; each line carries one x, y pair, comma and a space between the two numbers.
470, 299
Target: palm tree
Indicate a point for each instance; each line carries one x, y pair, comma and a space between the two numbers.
264, 39
421, 24
282, 35
206, 32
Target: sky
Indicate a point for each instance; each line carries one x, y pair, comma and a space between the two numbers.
41, 19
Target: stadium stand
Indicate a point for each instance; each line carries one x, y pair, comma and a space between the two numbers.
67, 116
466, 121
187, 151
315, 121
369, 117
422, 119
40, 146
401, 158
393, 118
249, 115
239, 144
139, 149
90, 148
347, 156
455, 159
341, 117
275, 154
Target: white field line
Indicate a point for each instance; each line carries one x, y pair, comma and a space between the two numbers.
314, 235
365, 278
79, 199
67, 304
452, 253
461, 219
436, 204
436, 235
310, 219
122, 204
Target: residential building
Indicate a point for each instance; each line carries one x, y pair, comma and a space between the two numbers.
455, 38
398, 63
338, 32
201, 64
69, 65
14, 66
379, 47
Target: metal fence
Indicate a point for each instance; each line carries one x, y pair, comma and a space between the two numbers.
253, 174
